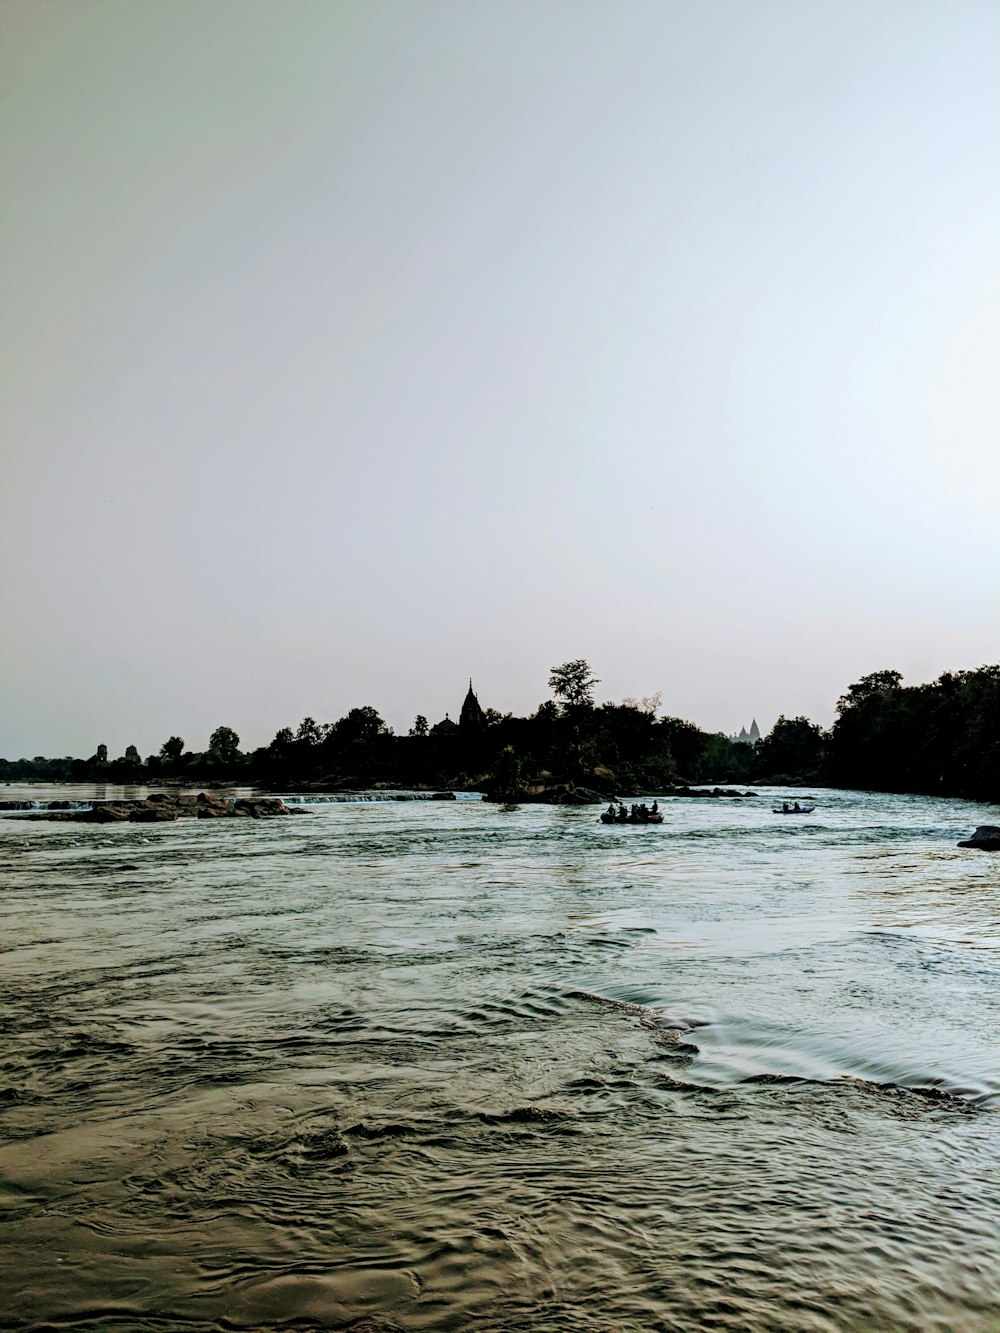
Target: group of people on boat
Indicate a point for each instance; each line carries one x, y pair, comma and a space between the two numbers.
639, 814
787, 809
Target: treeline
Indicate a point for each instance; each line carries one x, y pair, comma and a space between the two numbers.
942, 738
221, 760
616, 747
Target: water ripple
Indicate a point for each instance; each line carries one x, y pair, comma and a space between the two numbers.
407, 1066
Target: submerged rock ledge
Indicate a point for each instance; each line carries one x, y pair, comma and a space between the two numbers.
161, 807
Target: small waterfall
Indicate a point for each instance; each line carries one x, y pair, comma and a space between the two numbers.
366, 797
13, 806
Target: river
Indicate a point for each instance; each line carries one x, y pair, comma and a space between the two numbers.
445, 1066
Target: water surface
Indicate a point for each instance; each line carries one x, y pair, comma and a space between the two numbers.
445, 1066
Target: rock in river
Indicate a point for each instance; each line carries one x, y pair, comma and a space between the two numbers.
162, 806
986, 838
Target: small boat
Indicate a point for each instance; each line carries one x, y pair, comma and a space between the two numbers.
631, 819
802, 810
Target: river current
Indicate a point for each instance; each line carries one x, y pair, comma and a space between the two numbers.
446, 1066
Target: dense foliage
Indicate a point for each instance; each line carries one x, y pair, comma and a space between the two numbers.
942, 737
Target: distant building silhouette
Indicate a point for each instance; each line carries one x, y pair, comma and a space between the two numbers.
471, 717
745, 737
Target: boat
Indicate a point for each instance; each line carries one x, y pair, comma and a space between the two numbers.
631, 819
802, 810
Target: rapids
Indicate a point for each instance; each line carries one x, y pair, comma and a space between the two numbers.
446, 1066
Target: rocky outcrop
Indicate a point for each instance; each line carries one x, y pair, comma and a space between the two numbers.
985, 839
164, 807
148, 814
260, 807
708, 791
548, 793
582, 796
568, 793
100, 814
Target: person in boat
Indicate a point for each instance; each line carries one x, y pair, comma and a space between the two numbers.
656, 808
796, 808
784, 807
611, 810
622, 812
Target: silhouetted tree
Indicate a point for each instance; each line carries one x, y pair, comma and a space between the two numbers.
276, 763
506, 783
724, 760
649, 703
686, 744
864, 749
309, 733
573, 683
868, 687
793, 748
172, 749
419, 727
224, 745
360, 726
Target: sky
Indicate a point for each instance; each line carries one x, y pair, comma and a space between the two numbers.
352, 349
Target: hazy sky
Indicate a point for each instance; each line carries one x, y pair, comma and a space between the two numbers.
352, 349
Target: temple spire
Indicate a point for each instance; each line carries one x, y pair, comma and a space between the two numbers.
471, 717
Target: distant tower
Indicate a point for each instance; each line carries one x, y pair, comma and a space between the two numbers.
745, 737
471, 717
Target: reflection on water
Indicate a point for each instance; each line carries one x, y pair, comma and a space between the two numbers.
442, 1066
